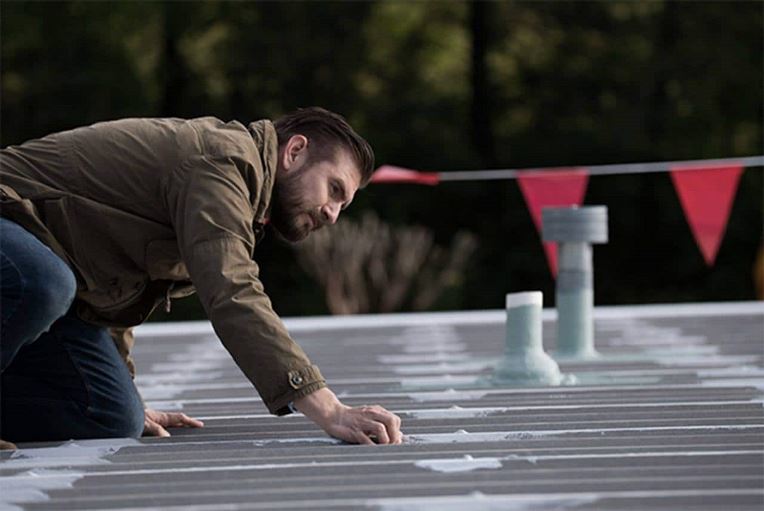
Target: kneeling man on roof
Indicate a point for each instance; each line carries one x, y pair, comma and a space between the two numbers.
102, 224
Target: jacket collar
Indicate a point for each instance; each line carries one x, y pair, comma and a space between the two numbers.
265, 138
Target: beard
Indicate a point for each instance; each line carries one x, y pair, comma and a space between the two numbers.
290, 217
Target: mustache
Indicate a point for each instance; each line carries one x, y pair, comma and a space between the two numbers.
317, 222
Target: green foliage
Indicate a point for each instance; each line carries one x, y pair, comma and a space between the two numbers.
440, 86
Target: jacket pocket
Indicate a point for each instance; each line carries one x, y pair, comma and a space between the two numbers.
162, 261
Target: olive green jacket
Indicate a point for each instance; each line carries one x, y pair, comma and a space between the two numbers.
145, 210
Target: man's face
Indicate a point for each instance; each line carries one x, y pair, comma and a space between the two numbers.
310, 194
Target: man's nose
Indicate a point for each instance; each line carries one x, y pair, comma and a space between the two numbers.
331, 212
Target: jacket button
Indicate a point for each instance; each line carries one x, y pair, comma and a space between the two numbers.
296, 379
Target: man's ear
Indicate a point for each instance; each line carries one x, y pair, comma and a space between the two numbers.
295, 152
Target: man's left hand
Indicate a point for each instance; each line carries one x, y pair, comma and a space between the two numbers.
155, 422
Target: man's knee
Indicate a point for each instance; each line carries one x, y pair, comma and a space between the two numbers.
39, 292
42, 285
127, 421
66, 421
132, 423
52, 291
128, 424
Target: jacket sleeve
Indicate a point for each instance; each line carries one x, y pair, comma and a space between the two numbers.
209, 205
124, 340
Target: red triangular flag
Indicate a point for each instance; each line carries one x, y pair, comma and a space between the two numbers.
552, 188
706, 195
392, 174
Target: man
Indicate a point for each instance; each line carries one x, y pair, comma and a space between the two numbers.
102, 224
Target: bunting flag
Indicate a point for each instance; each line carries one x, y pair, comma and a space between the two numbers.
552, 188
706, 195
392, 174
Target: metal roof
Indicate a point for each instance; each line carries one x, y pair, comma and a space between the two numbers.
670, 417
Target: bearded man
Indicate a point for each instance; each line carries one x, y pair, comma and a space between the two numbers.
102, 224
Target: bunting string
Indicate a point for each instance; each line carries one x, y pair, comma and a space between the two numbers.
705, 188
604, 170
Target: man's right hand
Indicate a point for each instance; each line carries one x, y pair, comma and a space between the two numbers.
359, 425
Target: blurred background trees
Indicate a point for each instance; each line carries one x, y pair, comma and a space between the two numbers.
371, 266
440, 85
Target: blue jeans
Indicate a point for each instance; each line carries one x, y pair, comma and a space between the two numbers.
60, 377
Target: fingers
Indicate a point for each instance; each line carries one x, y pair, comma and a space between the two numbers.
363, 439
389, 423
363, 424
156, 422
174, 420
179, 420
151, 428
377, 431
374, 424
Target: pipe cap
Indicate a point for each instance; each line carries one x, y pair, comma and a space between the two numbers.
575, 224
535, 298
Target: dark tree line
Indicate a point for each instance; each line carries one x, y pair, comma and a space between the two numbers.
440, 86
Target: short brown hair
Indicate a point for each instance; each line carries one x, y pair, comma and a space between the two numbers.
331, 131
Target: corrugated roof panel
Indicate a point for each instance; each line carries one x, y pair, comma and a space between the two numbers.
670, 417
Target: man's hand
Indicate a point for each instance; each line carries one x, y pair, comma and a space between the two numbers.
155, 422
359, 425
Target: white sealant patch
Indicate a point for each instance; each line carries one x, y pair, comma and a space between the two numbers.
31, 485
462, 436
478, 501
178, 404
465, 464
534, 501
445, 380
184, 371
308, 440
147, 379
429, 339
447, 395
75, 453
165, 406
442, 367
445, 347
183, 367
171, 391
757, 383
705, 361
425, 357
653, 342
738, 371
433, 333
454, 412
